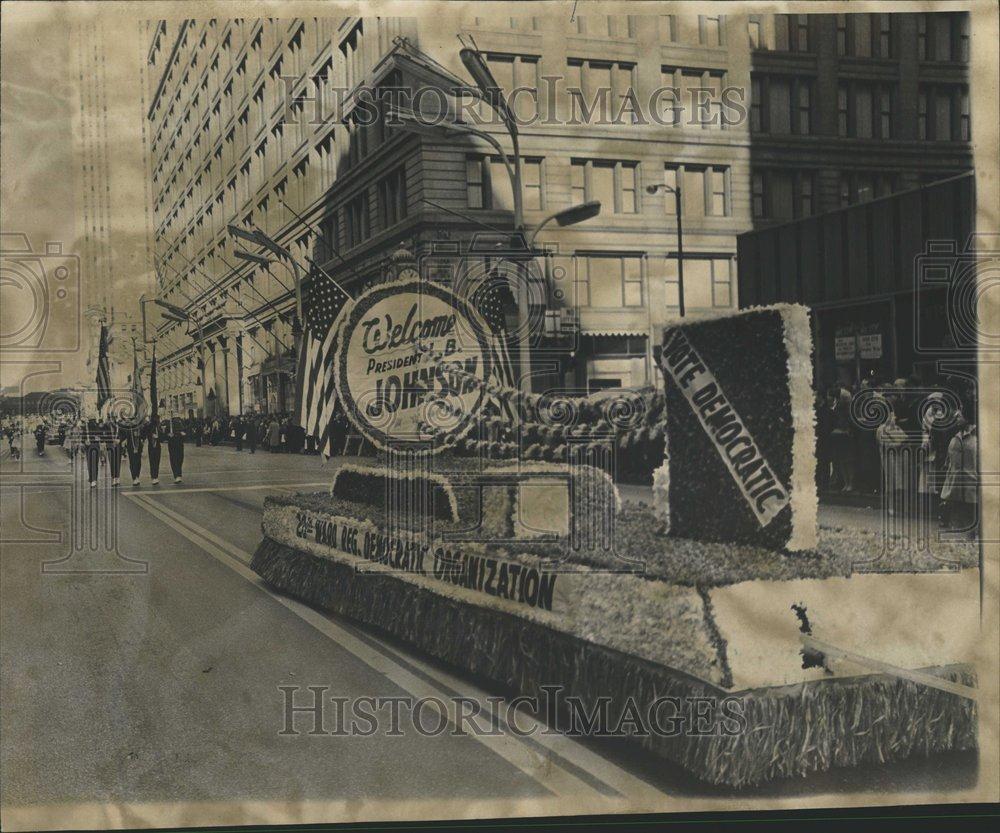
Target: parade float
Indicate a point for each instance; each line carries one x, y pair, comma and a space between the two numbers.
529, 573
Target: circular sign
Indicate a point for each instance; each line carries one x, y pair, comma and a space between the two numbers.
411, 366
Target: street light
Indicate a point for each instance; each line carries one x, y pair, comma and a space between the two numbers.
676, 191
568, 217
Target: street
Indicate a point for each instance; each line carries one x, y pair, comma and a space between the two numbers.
147, 669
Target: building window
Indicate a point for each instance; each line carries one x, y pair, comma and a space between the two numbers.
716, 192
711, 30
961, 22
517, 72
756, 105
864, 110
356, 215
357, 140
943, 112
884, 40
487, 183
697, 92
862, 186
943, 37
609, 281
706, 189
615, 184
598, 86
802, 33
668, 28
791, 32
864, 35
758, 195
392, 197
708, 282
618, 345
672, 181
755, 31
780, 104
885, 112
782, 194
329, 230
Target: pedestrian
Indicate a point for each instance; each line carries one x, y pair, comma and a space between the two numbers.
175, 447
14, 441
40, 431
283, 436
841, 447
824, 430
274, 436
197, 428
133, 448
69, 440
92, 450
892, 438
251, 434
154, 444
961, 485
237, 433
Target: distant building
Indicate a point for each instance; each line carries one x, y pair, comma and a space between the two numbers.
226, 148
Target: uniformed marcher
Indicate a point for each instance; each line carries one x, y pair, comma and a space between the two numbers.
154, 445
134, 433
92, 449
175, 447
113, 438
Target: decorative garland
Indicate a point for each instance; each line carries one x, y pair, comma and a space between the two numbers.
551, 439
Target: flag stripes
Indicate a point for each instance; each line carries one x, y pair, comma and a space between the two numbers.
315, 374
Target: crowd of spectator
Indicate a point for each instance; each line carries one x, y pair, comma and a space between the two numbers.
912, 443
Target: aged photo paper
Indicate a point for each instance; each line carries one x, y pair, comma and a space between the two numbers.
470, 410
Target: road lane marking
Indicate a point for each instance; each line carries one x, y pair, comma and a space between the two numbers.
545, 769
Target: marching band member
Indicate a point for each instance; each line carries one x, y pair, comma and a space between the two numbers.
154, 443
113, 438
133, 448
92, 449
175, 447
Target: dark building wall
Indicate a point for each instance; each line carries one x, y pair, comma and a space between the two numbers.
883, 267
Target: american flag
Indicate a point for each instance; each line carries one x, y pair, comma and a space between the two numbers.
315, 373
490, 299
103, 369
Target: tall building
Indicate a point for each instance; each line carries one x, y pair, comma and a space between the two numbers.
847, 108
248, 128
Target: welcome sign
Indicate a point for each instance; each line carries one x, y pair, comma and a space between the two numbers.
411, 364
740, 445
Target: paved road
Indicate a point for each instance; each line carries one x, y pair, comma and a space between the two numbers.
146, 667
